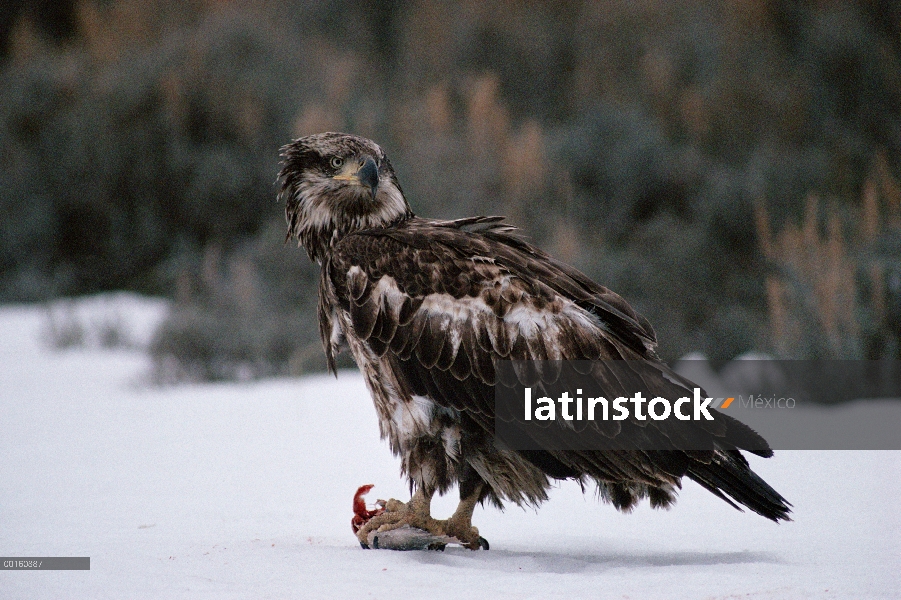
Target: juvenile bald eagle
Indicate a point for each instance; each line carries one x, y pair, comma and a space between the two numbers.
428, 308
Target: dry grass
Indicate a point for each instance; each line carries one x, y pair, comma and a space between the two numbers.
827, 290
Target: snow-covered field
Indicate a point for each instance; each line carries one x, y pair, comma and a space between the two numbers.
244, 491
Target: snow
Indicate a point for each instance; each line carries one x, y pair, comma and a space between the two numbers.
244, 491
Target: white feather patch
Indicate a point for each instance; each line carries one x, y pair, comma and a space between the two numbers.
523, 319
413, 417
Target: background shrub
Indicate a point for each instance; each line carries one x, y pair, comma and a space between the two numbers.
139, 142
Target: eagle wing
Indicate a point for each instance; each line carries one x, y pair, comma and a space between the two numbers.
442, 302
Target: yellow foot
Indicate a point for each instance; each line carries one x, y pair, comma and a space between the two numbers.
409, 526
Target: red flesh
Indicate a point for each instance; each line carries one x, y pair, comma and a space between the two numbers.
361, 513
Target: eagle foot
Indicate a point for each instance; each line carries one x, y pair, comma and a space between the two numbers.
409, 526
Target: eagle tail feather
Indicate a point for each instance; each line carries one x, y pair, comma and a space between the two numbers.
732, 479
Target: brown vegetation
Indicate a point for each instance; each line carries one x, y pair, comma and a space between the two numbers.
633, 139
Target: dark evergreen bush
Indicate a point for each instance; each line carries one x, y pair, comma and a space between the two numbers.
139, 140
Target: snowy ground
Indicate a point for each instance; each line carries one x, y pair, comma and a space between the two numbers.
244, 491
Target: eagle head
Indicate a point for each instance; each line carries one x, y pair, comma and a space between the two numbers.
334, 184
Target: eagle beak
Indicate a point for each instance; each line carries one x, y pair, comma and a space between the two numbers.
366, 175
369, 176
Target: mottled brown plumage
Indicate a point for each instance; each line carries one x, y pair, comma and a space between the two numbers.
428, 308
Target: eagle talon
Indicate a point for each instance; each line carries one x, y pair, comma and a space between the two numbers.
396, 525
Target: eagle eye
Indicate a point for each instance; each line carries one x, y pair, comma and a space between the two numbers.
337, 162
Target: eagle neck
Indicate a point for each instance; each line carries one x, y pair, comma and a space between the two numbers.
320, 242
